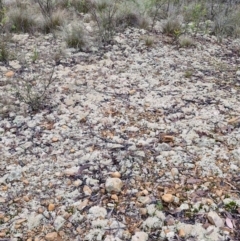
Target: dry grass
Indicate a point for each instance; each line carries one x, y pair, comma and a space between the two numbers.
74, 36
21, 19
186, 42
172, 27
48, 25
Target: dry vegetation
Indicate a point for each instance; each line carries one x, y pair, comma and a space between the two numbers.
83, 24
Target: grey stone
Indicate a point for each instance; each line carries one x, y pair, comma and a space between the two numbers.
59, 222
215, 219
144, 199
140, 236
34, 220
15, 175
113, 185
97, 212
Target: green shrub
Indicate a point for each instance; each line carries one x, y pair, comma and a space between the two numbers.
228, 25
4, 52
81, 6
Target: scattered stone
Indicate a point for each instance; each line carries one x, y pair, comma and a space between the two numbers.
9, 74
111, 238
184, 206
140, 236
97, 212
168, 198
51, 236
83, 204
219, 193
181, 233
215, 219
174, 172
144, 199
113, 185
2, 234
51, 207
143, 211
152, 222
116, 174
71, 171
87, 190
77, 183
114, 197
15, 175
59, 222
55, 139
145, 192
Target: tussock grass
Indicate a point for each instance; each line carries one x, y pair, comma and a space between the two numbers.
21, 19
186, 42
74, 36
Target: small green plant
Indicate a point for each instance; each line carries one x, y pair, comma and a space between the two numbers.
2, 14
159, 206
195, 13
4, 52
35, 55
149, 41
34, 90
231, 206
172, 28
82, 6
188, 74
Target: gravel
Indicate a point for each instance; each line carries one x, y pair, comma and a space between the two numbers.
127, 147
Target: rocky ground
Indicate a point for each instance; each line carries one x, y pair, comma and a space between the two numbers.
134, 143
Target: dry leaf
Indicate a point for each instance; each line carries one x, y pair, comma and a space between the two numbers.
234, 120
229, 223
166, 138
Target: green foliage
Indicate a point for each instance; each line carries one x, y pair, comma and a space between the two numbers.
195, 13
35, 55
2, 14
159, 206
4, 51
81, 6
231, 206
188, 74
172, 28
